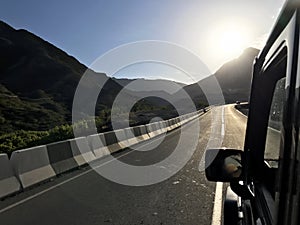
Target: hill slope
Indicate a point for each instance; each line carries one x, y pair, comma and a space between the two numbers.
42, 79
234, 79
38, 82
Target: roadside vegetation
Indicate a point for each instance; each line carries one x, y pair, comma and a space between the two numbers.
21, 139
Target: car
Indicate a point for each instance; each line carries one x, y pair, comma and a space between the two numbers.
264, 177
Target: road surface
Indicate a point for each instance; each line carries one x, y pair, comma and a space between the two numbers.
85, 197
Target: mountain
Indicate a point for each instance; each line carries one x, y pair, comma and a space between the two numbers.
233, 79
38, 82
235, 76
154, 85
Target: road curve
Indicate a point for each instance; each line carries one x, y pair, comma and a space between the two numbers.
85, 197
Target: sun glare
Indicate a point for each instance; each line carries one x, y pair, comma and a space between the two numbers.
229, 41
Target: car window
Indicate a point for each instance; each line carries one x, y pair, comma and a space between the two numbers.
272, 147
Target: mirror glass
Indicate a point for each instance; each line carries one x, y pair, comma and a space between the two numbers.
223, 164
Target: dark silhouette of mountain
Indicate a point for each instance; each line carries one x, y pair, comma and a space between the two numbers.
235, 76
38, 82
234, 79
154, 85
42, 78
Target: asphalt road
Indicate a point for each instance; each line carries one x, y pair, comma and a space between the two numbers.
85, 197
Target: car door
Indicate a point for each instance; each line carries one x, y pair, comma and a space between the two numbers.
269, 140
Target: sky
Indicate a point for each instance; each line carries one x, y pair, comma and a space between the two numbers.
214, 30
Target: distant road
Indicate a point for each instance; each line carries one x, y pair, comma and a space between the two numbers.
84, 197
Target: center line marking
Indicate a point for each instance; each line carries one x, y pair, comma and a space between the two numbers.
217, 210
223, 124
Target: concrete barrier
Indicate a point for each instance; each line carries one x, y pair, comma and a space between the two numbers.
160, 127
144, 133
61, 156
32, 165
9, 184
131, 138
112, 141
151, 128
154, 129
37, 164
177, 122
81, 151
122, 138
172, 124
98, 145
141, 132
183, 120
163, 127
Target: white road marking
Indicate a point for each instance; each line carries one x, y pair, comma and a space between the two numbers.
217, 210
223, 124
42, 192
70, 179
277, 131
64, 182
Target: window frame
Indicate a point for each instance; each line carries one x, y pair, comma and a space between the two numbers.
256, 175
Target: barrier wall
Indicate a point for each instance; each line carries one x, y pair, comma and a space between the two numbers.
163, 126
153, 129
141, 132
131, 138
81, 151
61, 156
121, 138
112, 142
9, 184
98, 145
32, 165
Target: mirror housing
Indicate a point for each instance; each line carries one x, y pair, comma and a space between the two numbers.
224, 165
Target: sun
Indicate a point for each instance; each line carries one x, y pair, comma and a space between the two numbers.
231, 42
228, 41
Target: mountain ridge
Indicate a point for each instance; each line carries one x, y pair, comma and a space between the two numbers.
233, 77
38, 82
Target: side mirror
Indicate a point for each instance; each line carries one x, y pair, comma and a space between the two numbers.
224, 165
